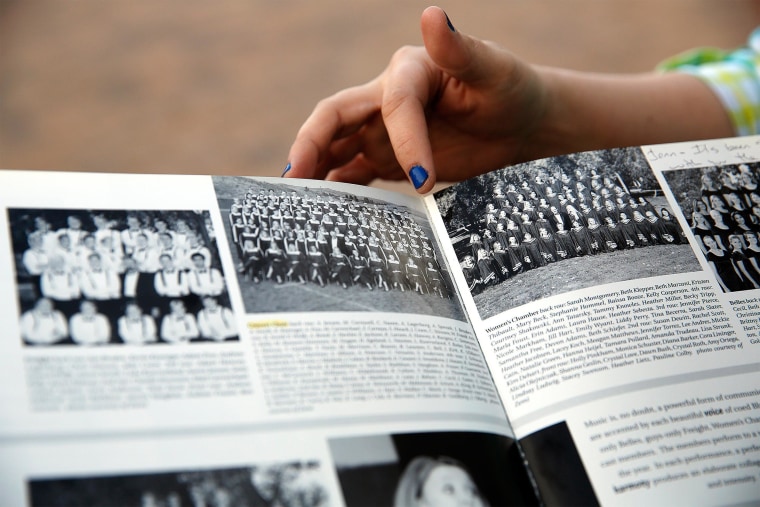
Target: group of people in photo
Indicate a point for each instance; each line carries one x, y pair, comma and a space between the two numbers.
131, 277
326, 239
726, 221
277, 484
536, 219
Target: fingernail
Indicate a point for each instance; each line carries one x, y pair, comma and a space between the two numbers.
287, 168
418, 175
448, 22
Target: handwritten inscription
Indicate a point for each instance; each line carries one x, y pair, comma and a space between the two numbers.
703, 153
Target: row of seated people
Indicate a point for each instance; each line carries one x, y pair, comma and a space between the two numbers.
584, 193
535, 218
326, 239
737, 264
736, 185
107, 259
374, 272
646, 229
296, 211
101, 282
44, 324
729, 204
494, 257
345, 224
74, 246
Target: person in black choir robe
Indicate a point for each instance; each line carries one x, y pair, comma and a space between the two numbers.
659, 229
471, 274
503, 261
741, 262
277, 263
557, 217
543, 223
396, 278
297, 265
617, 233
752, 252
402, 250
528, 227
434, 280
533, 257
360, 269
340, 269
582, 239
643, 229
546, 245
564, 243
519, 263
487, 268
378, 267
413, 275
601, 240
721, 263
475, 244
253, 265
318, 268
630, 231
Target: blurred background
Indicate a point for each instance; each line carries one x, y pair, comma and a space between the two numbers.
200, 86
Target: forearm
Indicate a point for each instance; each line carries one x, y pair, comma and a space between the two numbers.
593, 111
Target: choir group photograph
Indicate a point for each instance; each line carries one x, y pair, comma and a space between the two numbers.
311, 248
98, 277
552, 226
297, 483
722, 205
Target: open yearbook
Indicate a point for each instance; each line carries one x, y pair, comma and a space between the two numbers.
578, 330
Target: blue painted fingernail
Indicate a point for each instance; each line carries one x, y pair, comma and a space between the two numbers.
418, 175
448, 22
287, 168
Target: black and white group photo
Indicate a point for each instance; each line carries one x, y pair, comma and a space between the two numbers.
134, 277
562, 224
722, 205
312, 248
286, 484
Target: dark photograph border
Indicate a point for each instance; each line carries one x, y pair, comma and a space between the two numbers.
557, 467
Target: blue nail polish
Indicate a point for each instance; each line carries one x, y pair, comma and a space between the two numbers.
287, 168
448, 22
418, 175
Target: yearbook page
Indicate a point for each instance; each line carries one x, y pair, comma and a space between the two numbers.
615, 296
185, 339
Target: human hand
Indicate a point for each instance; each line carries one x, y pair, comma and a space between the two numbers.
452, 109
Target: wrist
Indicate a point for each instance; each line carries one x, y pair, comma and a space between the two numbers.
586, 111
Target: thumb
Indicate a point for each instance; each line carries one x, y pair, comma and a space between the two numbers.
464, 57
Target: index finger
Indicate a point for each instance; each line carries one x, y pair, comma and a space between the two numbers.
333, 119
407, 92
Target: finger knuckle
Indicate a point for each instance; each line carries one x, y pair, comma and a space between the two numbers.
404, 53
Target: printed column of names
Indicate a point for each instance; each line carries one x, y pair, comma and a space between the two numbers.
566, 341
